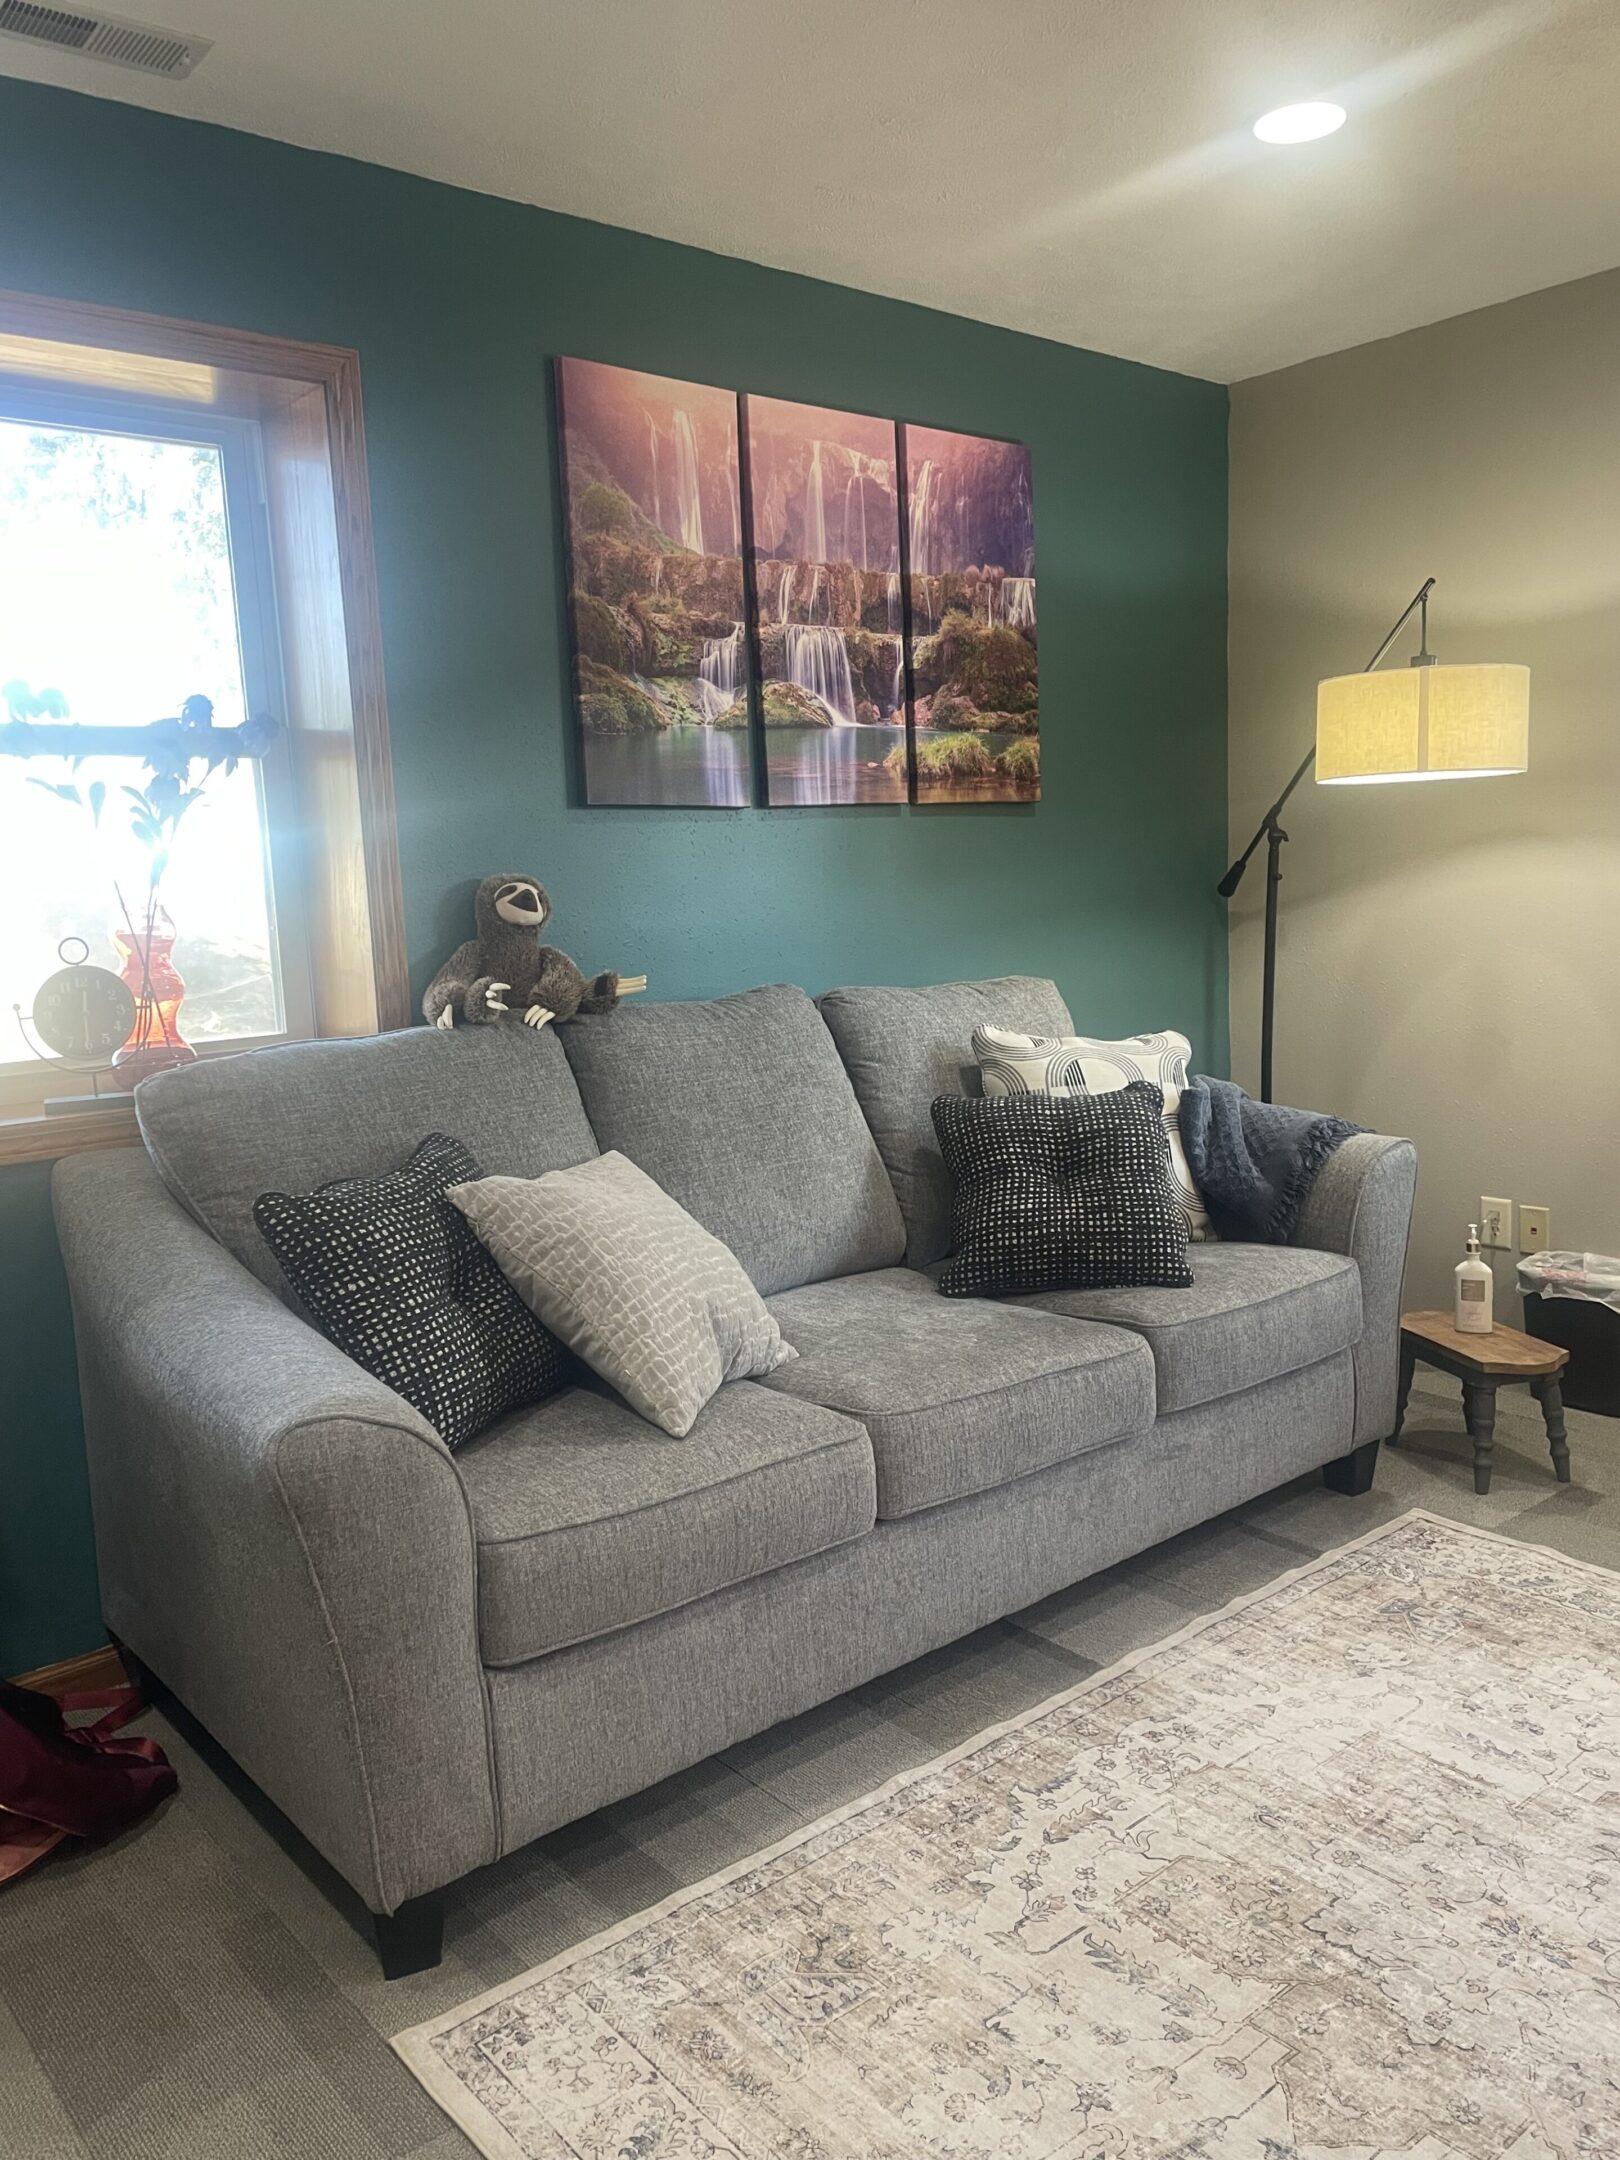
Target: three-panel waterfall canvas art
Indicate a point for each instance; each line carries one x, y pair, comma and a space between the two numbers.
777, 602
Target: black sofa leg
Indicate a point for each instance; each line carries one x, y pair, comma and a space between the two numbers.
1352, 1473
412, 1939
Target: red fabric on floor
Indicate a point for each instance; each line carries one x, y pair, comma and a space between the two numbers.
59, 1780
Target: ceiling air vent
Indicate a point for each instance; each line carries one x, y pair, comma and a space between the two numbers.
104, 37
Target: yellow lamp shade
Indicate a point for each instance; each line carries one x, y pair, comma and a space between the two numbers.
1423, 723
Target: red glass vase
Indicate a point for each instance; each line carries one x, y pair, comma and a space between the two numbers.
147, 968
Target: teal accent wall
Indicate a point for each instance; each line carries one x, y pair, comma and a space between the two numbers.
456, 303
48, 1606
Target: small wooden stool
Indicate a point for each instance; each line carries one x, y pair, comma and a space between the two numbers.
1482, 1363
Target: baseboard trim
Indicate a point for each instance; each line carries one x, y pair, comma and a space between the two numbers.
102, 1668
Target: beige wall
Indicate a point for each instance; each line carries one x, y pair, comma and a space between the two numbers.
1450, 953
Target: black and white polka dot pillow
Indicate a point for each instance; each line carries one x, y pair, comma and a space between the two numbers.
1061, 1192
1012, 1064
393, 1273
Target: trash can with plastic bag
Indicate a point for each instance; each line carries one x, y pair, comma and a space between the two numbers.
1573, 1299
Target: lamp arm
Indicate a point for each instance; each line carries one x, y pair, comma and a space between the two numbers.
1234, 876
1419, 600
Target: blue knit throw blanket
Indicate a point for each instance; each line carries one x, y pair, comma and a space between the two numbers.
1253, 1162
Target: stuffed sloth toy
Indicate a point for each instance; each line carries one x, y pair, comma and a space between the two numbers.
506, 957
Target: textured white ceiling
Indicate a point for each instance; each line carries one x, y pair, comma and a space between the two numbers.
1079, 168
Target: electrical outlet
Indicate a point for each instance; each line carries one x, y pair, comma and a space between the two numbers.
1496, 1224
1535, 1229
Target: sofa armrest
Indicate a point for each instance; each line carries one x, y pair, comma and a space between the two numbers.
281, 1538
1361, 1205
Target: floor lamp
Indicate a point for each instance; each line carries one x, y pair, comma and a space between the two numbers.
1423, 722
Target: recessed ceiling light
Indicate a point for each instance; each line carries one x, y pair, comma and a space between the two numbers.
1299, 123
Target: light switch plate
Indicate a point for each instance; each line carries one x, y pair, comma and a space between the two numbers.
1535, 1229
1496, 1224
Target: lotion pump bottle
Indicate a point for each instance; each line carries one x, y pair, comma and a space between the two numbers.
1475, 1283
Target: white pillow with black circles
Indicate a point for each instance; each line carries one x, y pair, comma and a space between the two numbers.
1013, 1064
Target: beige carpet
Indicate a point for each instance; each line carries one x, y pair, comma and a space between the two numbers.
1335, 1872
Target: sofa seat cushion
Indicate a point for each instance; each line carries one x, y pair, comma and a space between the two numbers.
740, 1109
904, 1047
1253, 1313
587, 1518
958, 1394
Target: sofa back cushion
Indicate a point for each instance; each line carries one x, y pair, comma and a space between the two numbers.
290, 1118
740, 1109
904, 1047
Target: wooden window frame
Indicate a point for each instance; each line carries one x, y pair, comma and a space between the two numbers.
305, 400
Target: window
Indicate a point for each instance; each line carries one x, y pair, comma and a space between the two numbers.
184, 511
134, 572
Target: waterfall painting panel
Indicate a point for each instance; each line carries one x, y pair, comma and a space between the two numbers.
655, 586
825, 529
970, 532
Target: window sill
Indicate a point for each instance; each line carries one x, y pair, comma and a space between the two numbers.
77, 1132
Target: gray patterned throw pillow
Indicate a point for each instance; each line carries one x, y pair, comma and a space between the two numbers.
621, 1273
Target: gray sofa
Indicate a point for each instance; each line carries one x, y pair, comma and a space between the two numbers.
427, 1660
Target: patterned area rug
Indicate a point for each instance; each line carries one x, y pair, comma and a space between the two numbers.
1332, 1875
